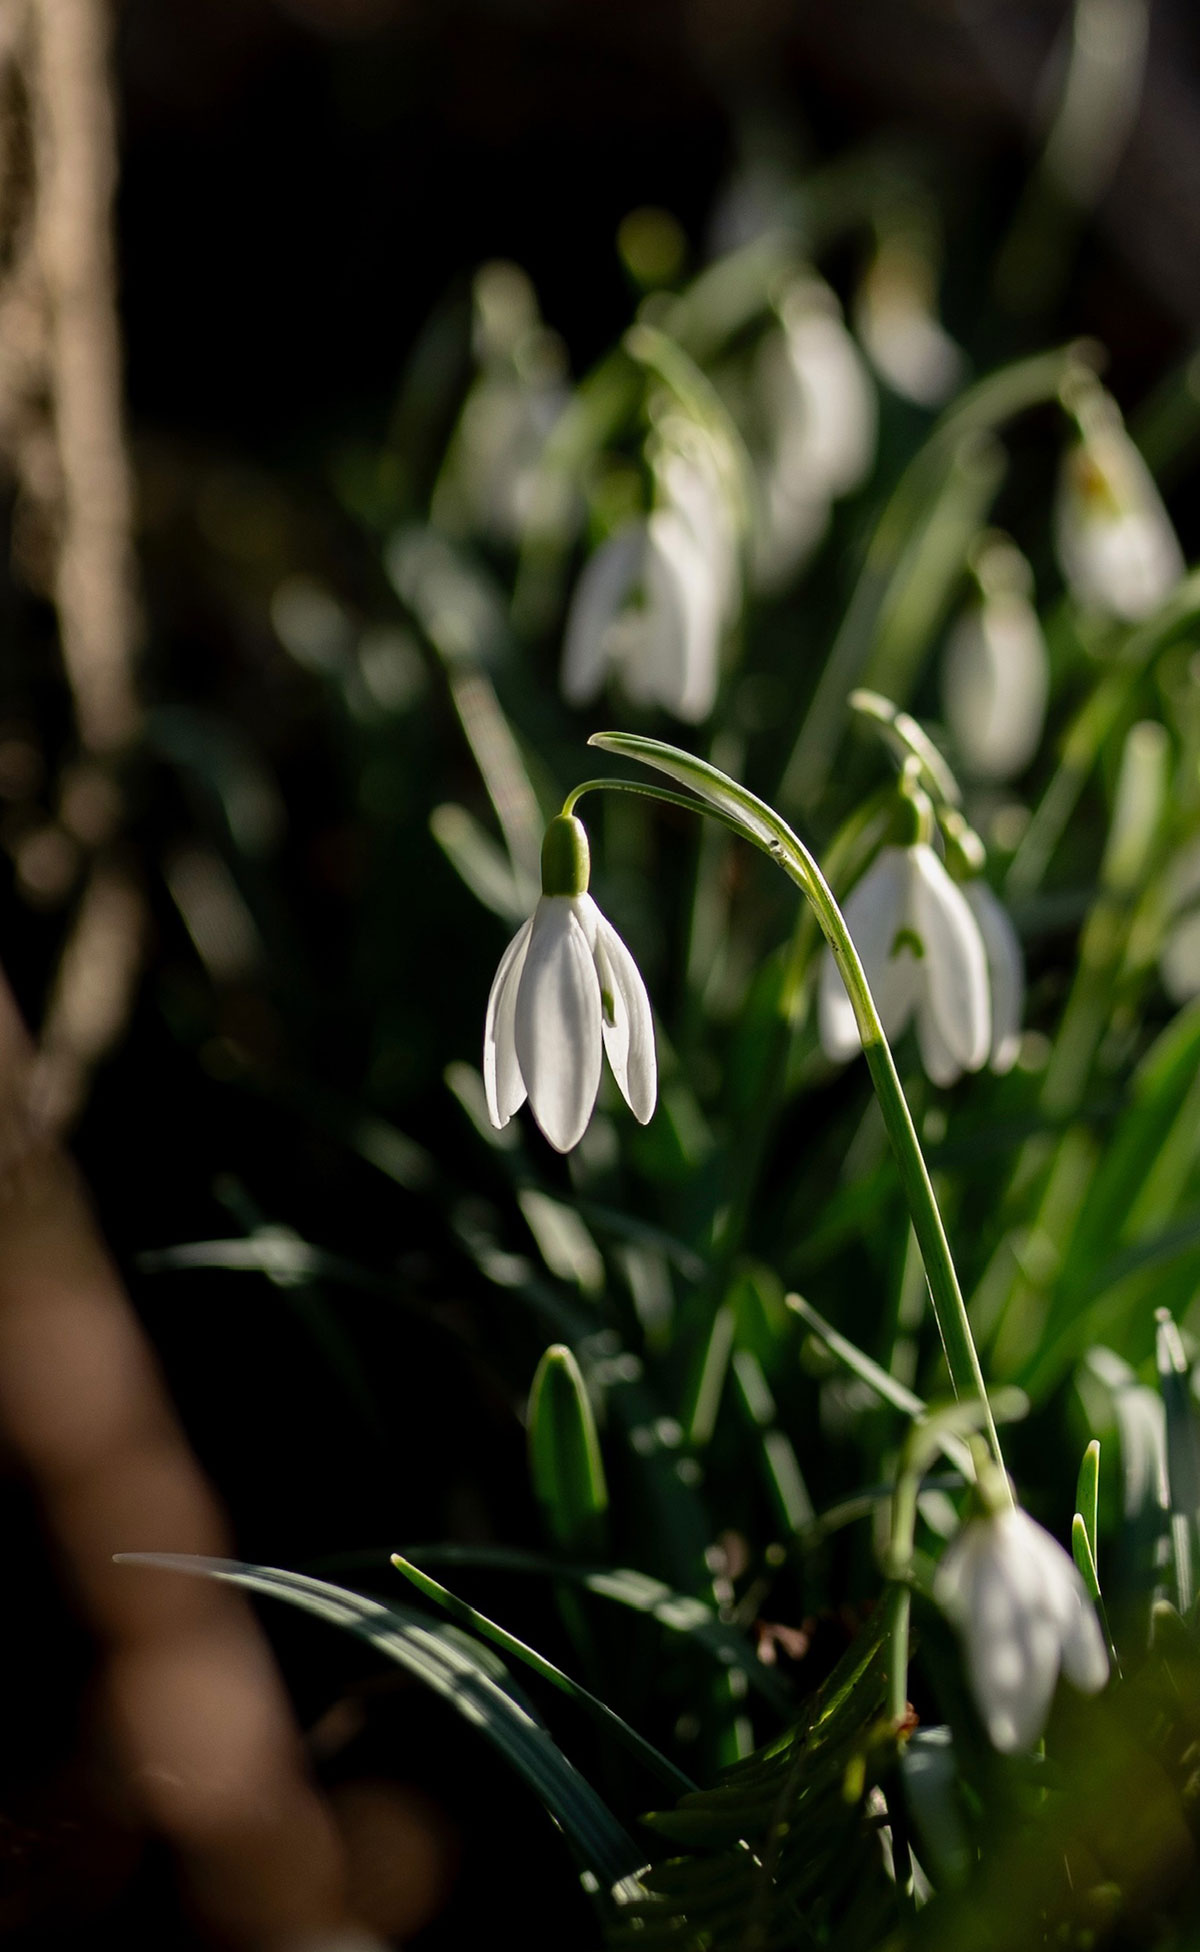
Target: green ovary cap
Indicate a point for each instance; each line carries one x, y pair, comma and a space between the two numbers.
566, 860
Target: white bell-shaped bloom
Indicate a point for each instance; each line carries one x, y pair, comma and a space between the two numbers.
924, 958
819, 404
681, 561
1118, 550
567, 990
995, 679
1024, 1613
906, 343
1006, 972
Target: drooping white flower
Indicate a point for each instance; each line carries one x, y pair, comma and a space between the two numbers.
567, 989
924, 958
652, 604
492, 470
820, 407
994, 684
1118, 550
907, 344
1024, 1613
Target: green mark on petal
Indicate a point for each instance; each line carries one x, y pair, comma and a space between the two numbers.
907, 939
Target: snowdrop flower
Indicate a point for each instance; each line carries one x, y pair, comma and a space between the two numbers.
566, 989
1024, 1612
995, 676
492, 470
1118, 550
905, 341
682, 561
921, 948
821, 409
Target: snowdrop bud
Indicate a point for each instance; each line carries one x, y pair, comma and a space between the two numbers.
566, 992
1024, 1613
924, 959
1118, 550
995, 677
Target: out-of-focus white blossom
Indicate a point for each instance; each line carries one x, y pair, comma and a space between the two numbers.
566, 991
819, 406
924, 957
907, 344
995, 675
653, 603
492, 467
1024, 1613
1118, 550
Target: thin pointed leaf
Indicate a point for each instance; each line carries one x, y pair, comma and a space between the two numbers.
1087, 1495
564, 1456
467, 1616
439, 1657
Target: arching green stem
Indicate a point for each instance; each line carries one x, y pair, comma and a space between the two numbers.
758, 823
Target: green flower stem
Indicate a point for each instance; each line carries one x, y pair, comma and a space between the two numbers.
899, 1599
760, 824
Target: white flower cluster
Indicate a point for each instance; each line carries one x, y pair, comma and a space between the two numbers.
655, 600
943, 956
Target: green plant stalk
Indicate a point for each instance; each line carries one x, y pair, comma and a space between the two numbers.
899, 1599
761, 825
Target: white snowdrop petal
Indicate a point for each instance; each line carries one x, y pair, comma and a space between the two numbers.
834, 429
557, 1023
503, 1084
955, 964
1084, 1655
1006, 971
626, 1021
686, 619
875, 912
941, 1064
1118, 550
1012, 1646
603, 587
995, 679
911, 350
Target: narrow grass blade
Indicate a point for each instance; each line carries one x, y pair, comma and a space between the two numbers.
679, 1612
645, 1752
438, 1656
877, 1378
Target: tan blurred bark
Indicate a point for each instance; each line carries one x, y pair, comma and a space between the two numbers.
213, 1757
